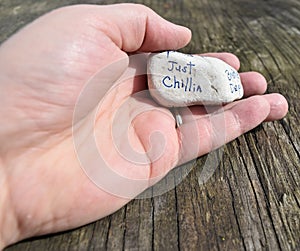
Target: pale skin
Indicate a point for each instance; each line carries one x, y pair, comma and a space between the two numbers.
43, 68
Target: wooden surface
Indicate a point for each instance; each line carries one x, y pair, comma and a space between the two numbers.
252, 201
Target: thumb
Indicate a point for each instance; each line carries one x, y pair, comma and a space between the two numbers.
134, 27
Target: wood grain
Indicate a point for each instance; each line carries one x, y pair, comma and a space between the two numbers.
252, 201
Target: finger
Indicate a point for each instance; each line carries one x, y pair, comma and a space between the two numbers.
279, 106
278, 103
196, 112
210, 132
134, 27
253, 83
228, 58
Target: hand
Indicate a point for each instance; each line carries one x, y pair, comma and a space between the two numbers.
44, 69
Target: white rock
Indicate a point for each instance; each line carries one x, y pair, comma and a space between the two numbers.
176, 79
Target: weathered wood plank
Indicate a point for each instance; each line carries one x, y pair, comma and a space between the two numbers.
253, 199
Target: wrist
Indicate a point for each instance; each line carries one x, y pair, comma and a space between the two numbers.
1, 244
8, 224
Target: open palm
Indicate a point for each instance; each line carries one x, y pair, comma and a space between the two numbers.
69, 91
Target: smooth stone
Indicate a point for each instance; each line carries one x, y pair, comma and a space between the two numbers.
177, 80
